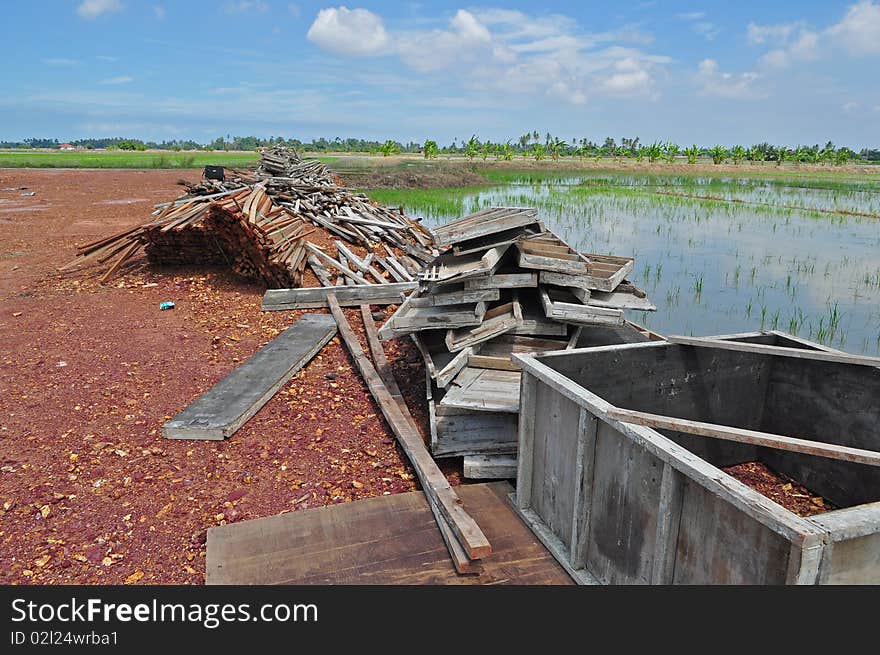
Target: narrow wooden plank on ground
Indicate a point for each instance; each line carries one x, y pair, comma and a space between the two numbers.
434, 483
224, 408
316, 297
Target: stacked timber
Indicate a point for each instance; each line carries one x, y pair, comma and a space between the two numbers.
256, 222
504, 284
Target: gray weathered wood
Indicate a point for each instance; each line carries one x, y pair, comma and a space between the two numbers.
485, 222
350, 296
434, 483
585, 461
526, 447
668, 519
496, 321
224, 408
755, 437
489, 467
484, 390
575, 313
761, 349
503, 281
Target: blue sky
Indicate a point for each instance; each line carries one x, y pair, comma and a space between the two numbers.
691, 71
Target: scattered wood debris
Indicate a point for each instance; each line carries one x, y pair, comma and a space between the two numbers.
504, 284
257, 222
780, 488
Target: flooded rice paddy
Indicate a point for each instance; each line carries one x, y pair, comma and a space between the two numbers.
716, 255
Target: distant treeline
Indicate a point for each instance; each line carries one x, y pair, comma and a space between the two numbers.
527, 145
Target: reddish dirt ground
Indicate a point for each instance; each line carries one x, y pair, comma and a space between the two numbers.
780, 488
90, 492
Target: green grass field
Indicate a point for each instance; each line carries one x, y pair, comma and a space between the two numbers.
121, 159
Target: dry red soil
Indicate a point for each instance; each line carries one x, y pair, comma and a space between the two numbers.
90, 492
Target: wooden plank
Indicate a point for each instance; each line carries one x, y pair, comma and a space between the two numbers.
449, 268
490, 361
503, 281
447, 373
464, 432
668, 520
359, 263
485, 222
224, 408
460, 559
526, 446
377, 541
484, 390
434, 483
327, 259
574, 313
462, 297
740, 435
496, 321
588, 426
351, 296
489, 467
760, 349
497, 239
617, 300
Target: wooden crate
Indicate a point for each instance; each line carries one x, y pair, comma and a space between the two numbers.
622, 503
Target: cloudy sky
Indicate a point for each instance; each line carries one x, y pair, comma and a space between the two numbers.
702, 71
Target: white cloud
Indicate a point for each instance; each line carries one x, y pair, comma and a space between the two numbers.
94, 8
760, 34
691, 15
804, 48
728, 85
502, 51
106, 58
851, 106
294, 10
60, 61
859, 30
246, 6
706, 29
120, 79
349, 31
160, 12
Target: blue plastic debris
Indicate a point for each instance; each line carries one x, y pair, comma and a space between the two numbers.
167, 305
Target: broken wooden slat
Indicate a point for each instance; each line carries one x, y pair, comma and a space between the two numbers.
226, 406
559, 310
434, 483
497, 320
484, 222
484, 390
315, 297
741, 435
489, 467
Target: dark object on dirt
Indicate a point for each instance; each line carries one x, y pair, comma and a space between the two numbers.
331, 376
378, 316
215, 173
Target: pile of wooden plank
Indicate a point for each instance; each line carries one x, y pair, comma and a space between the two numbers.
257, 222
504, 284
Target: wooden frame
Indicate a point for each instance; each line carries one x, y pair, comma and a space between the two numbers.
568, 312
491, 220
678, 497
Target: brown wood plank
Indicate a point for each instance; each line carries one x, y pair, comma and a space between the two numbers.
382, 540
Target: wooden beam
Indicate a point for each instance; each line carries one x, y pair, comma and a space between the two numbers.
741, 435
433, 482
352, 296
760, 349
459, 558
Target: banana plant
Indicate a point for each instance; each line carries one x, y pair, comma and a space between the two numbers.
388, 148
756, 154
430, 148
692, 154
472, 149
738, 154
781, 155
538, 151
485, 149
842, 156
505, 151
671, 151
718, 154
654, 152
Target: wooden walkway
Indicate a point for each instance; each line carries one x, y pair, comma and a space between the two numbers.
383, 540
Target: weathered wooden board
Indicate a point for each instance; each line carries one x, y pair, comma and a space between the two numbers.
496, 321
604, 272
350, 296
489, 467
497, 239
452, 268
557, 308
503, 280
466, 432
491, 220
382, 540
224, 408
506, 344
408, 319
615, 300
440, 493
455, 297
535, 323
484, 390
